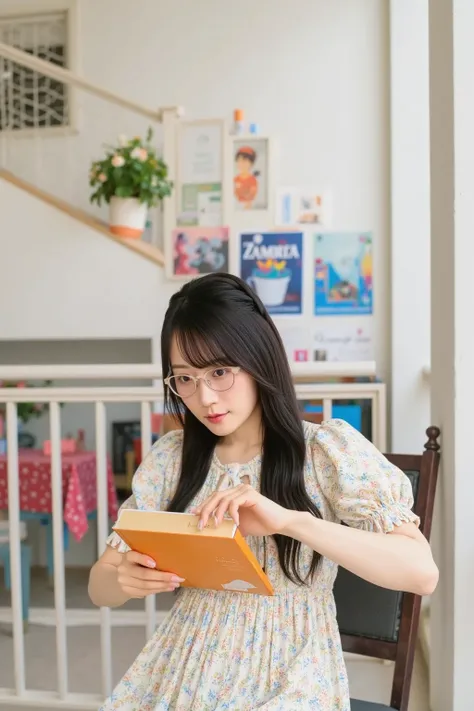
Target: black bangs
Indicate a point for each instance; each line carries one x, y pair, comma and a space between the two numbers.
201, 349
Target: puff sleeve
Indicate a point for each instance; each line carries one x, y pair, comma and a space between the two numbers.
361, 486
154, 481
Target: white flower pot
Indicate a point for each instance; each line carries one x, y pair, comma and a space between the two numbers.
127, 217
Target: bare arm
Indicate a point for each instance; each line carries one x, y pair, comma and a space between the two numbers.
119, 577
400, 560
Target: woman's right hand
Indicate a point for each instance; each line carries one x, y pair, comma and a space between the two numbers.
137, 576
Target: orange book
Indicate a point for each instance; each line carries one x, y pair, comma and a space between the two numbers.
214, 558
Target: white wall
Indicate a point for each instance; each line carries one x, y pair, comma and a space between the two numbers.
312, 73
60, 279
410, 240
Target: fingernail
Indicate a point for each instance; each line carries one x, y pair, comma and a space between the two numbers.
215, 520
200, 525
151, 563
177, 579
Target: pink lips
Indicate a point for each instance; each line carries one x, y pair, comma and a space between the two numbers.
215, 419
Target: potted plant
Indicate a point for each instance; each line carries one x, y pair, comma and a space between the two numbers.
26, 410
131, 178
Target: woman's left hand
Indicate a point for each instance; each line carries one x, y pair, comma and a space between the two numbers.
253, 513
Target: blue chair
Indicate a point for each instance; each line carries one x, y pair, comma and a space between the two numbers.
25, 551
46, 519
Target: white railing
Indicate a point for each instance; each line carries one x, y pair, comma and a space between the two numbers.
55, 153
150, 397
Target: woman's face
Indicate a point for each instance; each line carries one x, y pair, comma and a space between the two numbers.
221, 412
244, 165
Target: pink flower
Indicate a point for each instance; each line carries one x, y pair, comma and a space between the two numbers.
102, 177
118, 161
139, 153
21, 385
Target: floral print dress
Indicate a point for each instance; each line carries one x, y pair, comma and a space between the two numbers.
232, 651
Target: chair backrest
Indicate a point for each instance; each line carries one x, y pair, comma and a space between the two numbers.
26, 440
383, 623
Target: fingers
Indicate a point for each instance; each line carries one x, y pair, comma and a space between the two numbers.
222, 501
139, 592
234, 511
229, 505
138, 581
139, 559
152, 576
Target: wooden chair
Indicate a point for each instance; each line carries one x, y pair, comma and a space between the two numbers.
382, 623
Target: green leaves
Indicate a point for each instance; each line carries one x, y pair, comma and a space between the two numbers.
26, 410
132, 169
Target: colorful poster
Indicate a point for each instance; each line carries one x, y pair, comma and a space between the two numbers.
251, 174
338, 340
343, 268
271, 262
304, 206
200, 250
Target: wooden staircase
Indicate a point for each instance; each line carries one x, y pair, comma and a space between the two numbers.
144, 249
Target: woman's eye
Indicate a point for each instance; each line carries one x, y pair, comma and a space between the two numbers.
184, 379
219, 372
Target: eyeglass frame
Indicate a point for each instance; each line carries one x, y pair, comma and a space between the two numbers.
235, 370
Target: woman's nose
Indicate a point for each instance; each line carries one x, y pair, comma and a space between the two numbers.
207, 395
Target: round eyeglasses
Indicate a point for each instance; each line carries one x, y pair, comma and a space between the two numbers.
218, 379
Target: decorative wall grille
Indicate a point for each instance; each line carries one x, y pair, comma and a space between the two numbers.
28, 99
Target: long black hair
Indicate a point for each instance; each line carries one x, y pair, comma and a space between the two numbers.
218, 320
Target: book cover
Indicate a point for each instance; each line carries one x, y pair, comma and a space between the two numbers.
214, 558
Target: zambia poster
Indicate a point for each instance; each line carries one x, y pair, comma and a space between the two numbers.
272, 264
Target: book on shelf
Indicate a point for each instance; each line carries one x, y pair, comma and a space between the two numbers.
211, 558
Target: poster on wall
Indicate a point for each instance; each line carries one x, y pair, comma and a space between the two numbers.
200, 173
339, 340
251, 170
272, 264
201, 205
343, 269
303, 206
199, 250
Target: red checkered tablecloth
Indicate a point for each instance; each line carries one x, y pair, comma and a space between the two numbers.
79, 487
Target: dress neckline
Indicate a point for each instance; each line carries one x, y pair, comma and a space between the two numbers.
235, 465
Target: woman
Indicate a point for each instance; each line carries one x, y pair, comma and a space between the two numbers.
245, 452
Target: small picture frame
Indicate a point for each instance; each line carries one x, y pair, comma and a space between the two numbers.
200, 170
303, 207
194, 251
250, 180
